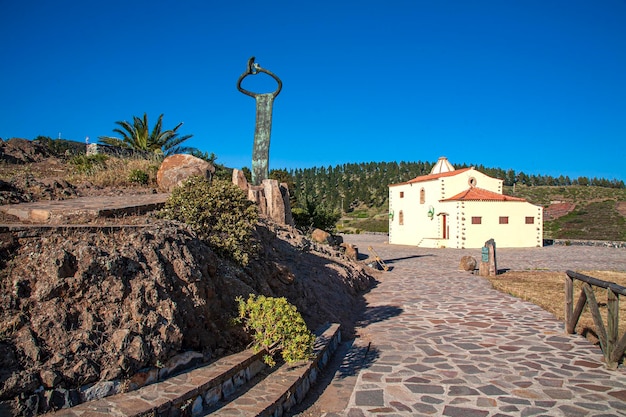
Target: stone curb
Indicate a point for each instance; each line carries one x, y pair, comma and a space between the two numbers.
220, 377
288, 385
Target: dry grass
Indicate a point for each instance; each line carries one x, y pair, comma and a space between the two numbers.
116, 172
113, 172
547, 290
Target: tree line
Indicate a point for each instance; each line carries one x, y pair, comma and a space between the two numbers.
344, 187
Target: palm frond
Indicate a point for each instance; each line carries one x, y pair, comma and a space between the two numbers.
181, 149
109, 140
138, 136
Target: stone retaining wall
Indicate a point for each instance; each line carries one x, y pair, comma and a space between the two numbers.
189, 390
578, 242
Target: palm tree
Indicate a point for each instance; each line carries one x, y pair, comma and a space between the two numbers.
138, 136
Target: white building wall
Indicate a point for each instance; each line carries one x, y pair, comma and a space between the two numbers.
516, 233
460, 182
417, 225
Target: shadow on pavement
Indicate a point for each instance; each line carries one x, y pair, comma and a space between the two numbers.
337, 380
390, 261
378, 314
357, 358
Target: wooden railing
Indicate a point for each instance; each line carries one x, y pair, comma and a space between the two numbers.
612, 347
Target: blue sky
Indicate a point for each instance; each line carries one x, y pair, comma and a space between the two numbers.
538, 86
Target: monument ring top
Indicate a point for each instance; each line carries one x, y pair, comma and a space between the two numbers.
253, 69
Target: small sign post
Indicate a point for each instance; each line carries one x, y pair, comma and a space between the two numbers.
488, 265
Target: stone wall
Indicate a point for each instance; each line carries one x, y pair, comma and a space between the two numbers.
579, 242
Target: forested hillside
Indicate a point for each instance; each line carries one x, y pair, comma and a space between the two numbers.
344, 187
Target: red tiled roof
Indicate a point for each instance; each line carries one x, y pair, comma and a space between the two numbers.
430, 177
480, 194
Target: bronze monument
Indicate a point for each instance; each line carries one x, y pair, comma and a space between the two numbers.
262, 131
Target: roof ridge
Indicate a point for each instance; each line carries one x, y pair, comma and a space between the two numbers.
429, 177
481, 194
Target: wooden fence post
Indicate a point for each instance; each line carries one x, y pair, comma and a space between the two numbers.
569, 304
612, 327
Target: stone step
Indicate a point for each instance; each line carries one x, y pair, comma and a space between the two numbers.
287, 385
179, 392
59, 211
201, 390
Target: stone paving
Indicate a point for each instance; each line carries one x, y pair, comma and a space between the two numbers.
443, 342
58, 211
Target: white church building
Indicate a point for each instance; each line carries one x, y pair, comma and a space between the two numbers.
460, 208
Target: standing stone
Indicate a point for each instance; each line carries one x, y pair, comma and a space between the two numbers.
177, 168
256, 193
284, 190
239, 179
274, 199
488, 265
271, 197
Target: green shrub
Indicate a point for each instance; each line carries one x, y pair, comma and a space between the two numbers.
220, 214
61, 148
276, 325
138, 176
87, 164
314, 216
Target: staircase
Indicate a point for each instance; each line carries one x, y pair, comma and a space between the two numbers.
238, 385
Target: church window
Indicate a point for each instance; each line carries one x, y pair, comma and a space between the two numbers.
504, 220
422, 196
401, 218
477, 220
530, 220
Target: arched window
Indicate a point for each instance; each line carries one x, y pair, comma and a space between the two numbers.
401, 218
422, 196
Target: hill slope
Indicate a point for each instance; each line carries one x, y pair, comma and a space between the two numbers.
594, 213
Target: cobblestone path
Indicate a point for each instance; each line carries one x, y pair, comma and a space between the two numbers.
443, 342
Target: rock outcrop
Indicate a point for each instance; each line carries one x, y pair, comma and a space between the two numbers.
19, 151
177, 168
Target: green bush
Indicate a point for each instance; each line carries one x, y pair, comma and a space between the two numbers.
219, 212
138, 176
313, 217
276, 325
87, 164
61, 148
